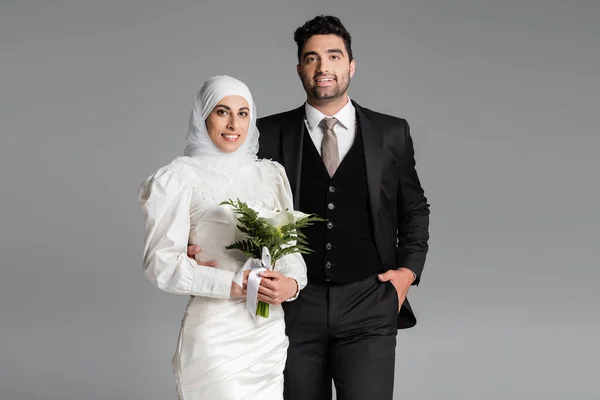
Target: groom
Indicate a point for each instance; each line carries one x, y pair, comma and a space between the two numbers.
356, 168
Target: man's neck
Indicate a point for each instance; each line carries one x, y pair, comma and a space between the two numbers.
329, 107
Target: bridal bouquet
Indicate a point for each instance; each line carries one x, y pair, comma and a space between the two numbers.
270, 235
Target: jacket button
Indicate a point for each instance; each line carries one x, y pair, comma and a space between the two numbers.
328, 246
330, 225
331, 189
331, 206
327, 265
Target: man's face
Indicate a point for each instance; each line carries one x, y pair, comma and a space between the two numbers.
325, 68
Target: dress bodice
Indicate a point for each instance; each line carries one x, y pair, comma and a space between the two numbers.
215, 229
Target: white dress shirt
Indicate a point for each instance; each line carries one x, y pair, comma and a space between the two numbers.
345, 129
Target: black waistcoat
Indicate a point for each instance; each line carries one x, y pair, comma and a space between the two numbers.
344, 246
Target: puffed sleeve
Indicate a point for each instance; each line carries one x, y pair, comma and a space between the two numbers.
165, 200
291, 265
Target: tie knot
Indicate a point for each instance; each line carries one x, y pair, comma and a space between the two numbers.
328, 123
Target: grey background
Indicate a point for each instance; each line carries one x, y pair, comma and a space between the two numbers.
502, 98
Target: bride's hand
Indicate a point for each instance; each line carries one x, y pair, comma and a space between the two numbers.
275, 288
238, 291
192, 250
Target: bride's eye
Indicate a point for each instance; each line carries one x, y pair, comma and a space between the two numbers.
221, 113
243, 114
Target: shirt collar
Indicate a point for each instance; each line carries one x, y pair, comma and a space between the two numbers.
346, 116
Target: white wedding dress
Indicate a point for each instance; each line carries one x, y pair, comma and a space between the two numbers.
222, 352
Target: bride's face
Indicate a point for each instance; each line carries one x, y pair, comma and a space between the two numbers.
228, 123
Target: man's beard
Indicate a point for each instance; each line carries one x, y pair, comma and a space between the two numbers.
326, 93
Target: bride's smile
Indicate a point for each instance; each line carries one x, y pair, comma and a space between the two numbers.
230, 138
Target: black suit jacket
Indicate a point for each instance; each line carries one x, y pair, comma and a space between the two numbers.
399, 207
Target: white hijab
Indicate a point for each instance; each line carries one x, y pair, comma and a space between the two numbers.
200, 145
223, 175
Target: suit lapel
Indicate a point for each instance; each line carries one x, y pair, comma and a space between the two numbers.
372, 141
292, 142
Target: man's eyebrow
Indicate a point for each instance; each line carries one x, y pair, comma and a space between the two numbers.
329, 51
337, 51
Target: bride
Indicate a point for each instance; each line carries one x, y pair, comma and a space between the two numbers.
222, 352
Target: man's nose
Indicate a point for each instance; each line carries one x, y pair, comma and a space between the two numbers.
323, 67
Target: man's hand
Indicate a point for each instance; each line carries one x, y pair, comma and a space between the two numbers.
191, 253
275, 288
236, 290
401, 279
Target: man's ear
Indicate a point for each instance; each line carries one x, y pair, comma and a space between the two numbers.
298, 71
352, 68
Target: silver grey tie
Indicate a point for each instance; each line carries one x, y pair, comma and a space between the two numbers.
329, 147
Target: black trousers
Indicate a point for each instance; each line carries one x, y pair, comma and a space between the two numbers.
344, 332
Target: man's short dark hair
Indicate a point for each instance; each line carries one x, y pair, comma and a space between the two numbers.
322, 25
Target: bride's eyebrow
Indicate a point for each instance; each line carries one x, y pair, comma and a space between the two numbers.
229, 109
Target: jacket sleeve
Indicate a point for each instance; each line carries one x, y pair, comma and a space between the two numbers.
413, 214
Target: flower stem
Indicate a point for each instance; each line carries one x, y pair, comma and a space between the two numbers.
262, 309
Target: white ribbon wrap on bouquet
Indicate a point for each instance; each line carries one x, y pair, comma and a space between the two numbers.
256, 267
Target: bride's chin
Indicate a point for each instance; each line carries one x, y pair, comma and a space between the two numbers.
230, 147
